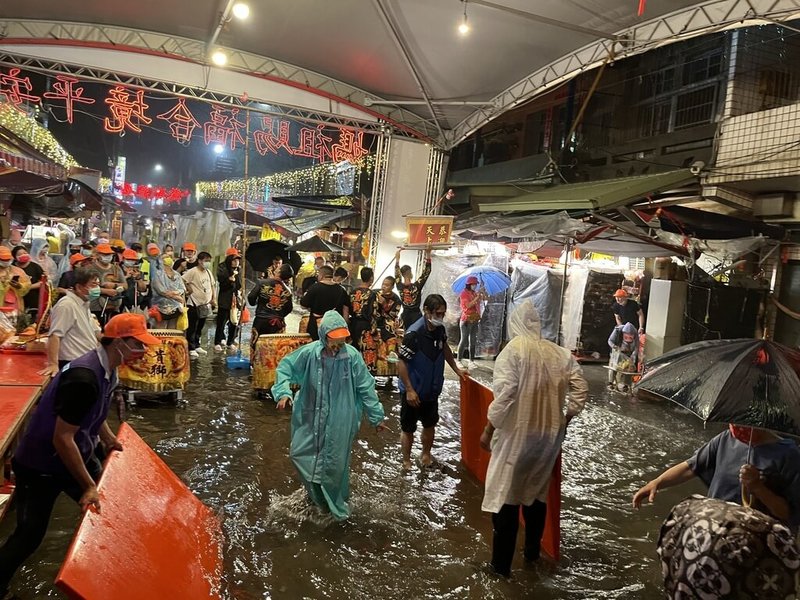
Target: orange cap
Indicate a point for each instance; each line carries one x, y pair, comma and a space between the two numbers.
620, 293
472, 280
153, 249
189, 246
5, 253
340, 333
129, 255
130, 325
104, 249
232, 252
77, 258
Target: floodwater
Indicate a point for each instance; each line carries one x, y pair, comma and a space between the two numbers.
415, 535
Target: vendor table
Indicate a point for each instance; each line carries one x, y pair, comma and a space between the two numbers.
22, 368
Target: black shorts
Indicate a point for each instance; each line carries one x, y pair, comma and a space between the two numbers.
426, 413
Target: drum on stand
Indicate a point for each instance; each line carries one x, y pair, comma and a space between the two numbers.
165, 367
270, 349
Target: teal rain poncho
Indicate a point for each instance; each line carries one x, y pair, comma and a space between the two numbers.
334, 392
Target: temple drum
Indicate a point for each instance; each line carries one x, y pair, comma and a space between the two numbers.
162, 368
270, 349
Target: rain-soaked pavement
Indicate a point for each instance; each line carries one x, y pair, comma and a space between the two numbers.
415, 535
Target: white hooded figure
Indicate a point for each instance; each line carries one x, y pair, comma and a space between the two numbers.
527, 423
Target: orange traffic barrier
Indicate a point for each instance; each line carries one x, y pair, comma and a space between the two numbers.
152, 538
475, 401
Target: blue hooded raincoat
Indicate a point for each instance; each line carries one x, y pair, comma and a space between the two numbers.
334, 392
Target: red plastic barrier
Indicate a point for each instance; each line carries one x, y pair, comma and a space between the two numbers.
17, 402
152, 539
475, 401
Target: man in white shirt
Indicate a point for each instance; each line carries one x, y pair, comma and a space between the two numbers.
201, 299
73, 329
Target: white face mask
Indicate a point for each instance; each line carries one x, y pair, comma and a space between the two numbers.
5, 263
436, 322
106, 258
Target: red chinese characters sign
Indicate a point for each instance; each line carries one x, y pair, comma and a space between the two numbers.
429, 231
147, 192
129, 109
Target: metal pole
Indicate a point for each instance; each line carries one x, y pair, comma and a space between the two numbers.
244, 233
567, 247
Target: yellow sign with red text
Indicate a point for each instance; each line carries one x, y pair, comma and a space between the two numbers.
430, 231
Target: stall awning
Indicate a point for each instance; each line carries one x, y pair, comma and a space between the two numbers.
595, 195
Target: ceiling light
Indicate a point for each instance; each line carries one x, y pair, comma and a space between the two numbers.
241, 10
219, 58
463, 28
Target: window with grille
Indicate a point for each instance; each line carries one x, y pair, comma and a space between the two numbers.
696, 107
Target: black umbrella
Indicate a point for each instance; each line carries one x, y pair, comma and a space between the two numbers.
747, 382
260, 255
315, 244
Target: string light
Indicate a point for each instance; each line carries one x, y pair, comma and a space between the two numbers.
26, 128
306, 181
463, 28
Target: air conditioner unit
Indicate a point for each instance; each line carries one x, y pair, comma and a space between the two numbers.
774, 205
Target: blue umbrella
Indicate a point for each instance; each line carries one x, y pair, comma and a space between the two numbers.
492, 279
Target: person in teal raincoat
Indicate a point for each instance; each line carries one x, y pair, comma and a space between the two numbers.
335, 389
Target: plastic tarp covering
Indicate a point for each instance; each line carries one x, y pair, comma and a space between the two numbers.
716, 253
210, 230
518, 227
542, 285
573, 306
445, 270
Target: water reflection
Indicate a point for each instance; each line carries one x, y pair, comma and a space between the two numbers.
414, 535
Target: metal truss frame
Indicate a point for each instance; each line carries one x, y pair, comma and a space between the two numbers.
704, 18
112, 38
184, 91
378, 195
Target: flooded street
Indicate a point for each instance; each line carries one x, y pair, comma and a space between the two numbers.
415, 535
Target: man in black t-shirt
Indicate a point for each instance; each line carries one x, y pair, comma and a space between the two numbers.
627, 310
323, 296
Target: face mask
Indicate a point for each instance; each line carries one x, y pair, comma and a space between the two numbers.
94, 293
24, 259
436, 322
105, 258
130, 263
86, 252
207, 264
5, 263
168, 261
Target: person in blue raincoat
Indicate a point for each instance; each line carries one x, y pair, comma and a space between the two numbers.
335, 390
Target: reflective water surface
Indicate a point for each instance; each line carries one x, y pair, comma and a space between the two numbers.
414, 535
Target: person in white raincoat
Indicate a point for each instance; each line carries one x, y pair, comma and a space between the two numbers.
527, 423
336, 389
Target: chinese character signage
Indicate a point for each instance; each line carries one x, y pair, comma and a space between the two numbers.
164, 367
126, 109
429, 231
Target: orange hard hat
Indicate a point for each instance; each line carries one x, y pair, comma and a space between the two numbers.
129, 255
130, 325
620, 293
77, 258
232, 252
189, 246
104, 249
472, 280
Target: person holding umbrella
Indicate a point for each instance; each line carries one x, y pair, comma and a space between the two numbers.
470, 300
770, 478
229, 283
